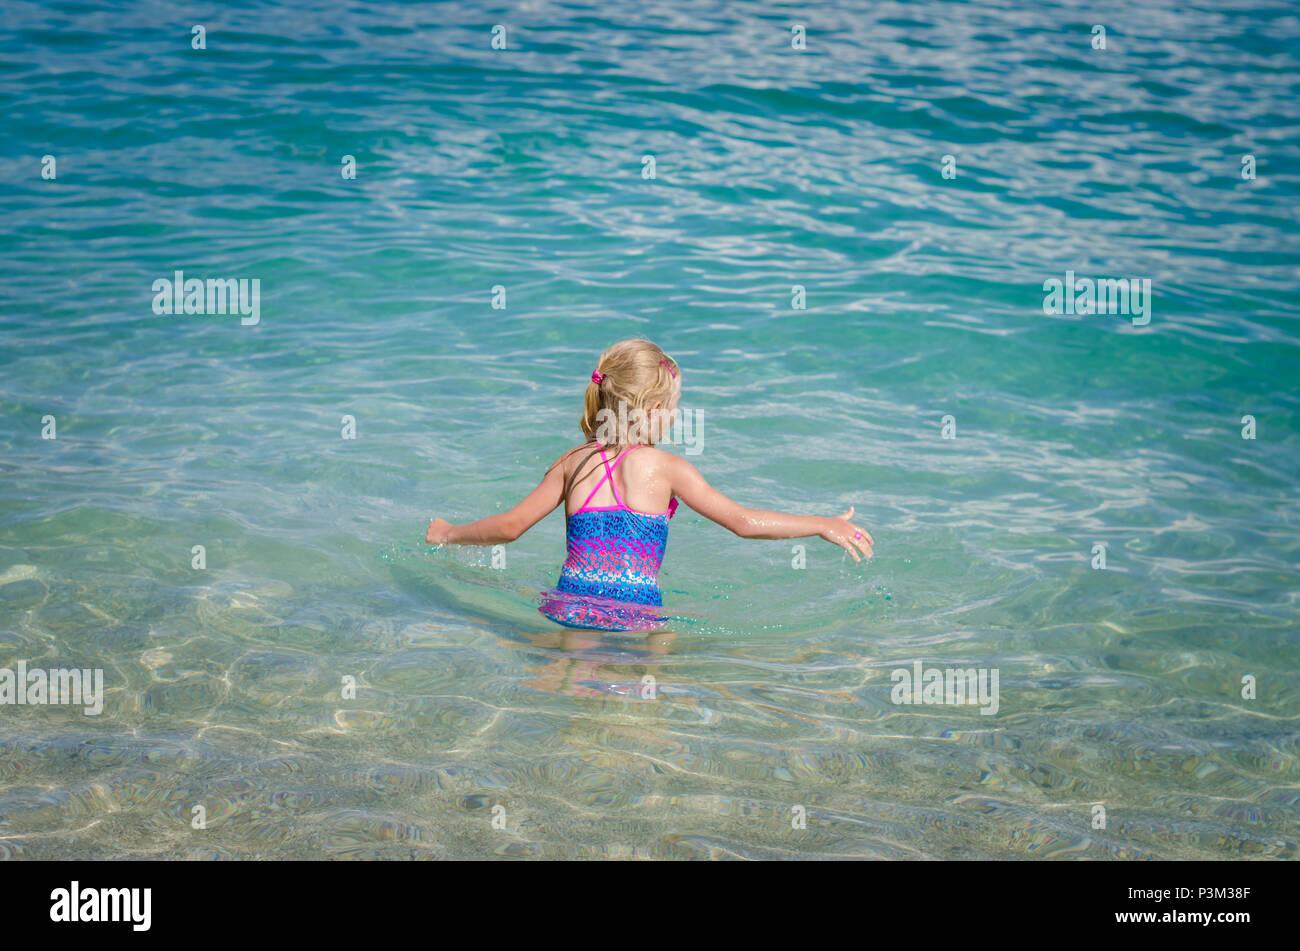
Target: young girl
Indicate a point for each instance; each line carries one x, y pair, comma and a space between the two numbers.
617, 507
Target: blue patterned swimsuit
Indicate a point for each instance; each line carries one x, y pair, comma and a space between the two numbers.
610, 579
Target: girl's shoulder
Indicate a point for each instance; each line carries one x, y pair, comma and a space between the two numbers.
573, 457
648, 462
653, 455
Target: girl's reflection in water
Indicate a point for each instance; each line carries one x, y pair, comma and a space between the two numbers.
585, 663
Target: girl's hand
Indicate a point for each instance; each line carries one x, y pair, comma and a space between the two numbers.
840, 531
438, 531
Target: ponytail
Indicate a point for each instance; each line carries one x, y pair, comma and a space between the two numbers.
635, 373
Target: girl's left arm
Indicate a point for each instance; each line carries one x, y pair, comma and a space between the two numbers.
507, 526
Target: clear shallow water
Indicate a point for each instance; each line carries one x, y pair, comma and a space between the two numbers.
523, 168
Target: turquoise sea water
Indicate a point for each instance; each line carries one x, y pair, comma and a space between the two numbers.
774, 167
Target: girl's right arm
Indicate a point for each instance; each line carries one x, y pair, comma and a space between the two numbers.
504, 526
691, 488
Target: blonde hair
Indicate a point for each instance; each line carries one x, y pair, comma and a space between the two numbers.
635, 373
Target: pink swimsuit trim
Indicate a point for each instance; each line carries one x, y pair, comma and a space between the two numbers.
621, 507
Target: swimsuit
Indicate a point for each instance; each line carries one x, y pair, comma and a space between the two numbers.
610, 579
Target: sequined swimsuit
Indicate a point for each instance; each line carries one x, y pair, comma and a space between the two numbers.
610, 579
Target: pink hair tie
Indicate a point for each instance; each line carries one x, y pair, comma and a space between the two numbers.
597, 377
670, 369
